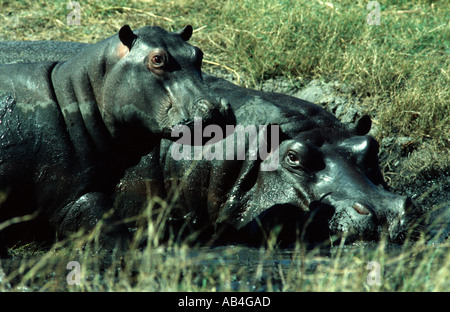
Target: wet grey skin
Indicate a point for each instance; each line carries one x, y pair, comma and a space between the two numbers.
70, 128
327, 181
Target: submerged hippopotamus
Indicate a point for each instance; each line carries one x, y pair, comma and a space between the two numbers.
320, 178
69, 129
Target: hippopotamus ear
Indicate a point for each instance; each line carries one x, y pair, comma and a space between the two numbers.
185, 33
363, 125
127, 36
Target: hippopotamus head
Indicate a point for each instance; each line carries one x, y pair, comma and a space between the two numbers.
155, 81
327, 182
349, 180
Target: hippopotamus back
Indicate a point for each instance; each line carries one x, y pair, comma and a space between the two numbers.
38, 51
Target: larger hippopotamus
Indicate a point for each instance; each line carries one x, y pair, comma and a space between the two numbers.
319, 177
69, 129
326, 178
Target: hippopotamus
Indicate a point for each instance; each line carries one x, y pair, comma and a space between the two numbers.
326, 178
320, 177
69, 129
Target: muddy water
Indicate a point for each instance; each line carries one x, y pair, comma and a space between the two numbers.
224, 268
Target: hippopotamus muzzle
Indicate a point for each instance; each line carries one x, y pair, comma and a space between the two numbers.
208, 112
382, 214
352, 184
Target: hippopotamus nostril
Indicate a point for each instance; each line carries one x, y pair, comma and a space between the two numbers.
361, 209
204, 106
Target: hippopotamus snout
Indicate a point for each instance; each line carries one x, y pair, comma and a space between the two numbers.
205, 112
201, 108
194, 103
386, 214
212, 110
351, 182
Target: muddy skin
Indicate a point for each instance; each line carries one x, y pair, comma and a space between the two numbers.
327, 182
69, 129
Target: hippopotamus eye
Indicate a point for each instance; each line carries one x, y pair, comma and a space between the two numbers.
293, 159
304, 156
156, 60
